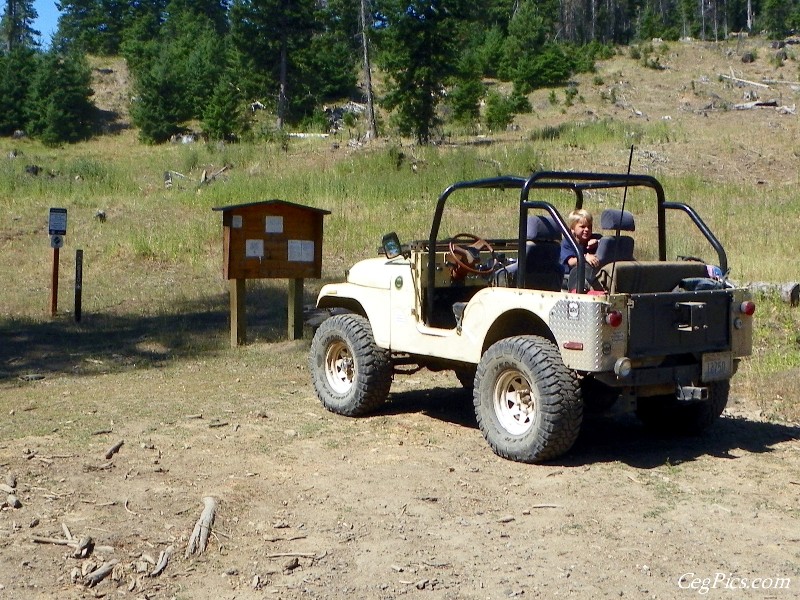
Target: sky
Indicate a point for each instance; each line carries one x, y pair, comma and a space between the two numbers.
48, 19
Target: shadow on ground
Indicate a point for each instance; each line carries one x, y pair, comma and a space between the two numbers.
108, 342
612, 439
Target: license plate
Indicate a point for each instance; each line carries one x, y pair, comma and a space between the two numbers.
717, 366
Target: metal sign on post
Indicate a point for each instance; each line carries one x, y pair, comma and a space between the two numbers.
57, 223
57, 228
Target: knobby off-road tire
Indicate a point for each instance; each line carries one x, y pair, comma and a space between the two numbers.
527, 403
666, 415
351, 375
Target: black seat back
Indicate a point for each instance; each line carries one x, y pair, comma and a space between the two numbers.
542, 268
611, 248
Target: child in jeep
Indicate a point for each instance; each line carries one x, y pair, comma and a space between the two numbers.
580, 224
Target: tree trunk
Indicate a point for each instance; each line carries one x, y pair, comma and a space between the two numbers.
749, 15
372, 129
282, 90
11, 23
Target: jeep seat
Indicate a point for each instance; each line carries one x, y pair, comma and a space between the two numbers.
611, 248
542, 249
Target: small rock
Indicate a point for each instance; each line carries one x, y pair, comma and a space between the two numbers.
291, 564
13, 501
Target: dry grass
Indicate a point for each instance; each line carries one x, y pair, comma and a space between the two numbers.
153, 290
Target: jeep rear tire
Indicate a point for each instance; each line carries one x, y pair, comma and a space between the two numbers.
527, 403
665, 414
350, 373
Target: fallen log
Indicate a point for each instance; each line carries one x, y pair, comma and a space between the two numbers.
756, 104
199, 538
789, 291
740, 80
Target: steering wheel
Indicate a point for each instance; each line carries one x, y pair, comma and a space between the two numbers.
465, 251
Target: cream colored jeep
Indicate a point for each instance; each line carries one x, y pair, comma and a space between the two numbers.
534, 344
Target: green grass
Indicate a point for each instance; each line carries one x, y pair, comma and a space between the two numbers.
153, 268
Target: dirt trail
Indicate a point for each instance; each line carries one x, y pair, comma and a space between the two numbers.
410, 502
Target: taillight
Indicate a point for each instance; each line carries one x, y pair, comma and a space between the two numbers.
614, 318
747, 308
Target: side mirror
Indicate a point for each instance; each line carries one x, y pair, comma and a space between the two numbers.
391, 245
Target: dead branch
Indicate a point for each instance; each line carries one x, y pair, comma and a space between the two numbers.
128, 509
114, 449
199, 538
163, 559
57, 541
740, 80
66, 531
293, 555
96, 576
74, 544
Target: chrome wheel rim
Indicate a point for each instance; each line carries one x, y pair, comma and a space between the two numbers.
514, 402
340, 368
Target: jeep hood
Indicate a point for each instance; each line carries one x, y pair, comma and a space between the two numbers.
372, 272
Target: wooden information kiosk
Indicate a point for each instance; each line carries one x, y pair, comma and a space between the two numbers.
273, 239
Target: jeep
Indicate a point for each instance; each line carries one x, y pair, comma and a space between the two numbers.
537, 346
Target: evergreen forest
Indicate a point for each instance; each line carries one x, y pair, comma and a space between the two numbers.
213, 62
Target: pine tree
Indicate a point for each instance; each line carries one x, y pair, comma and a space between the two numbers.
92, 26
16, 73
270, 36
59, 108
155, 110
16, 25
419, 54
223, 119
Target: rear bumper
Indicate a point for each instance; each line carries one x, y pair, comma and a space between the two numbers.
681, 375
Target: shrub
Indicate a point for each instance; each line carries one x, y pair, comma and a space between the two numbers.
499, 111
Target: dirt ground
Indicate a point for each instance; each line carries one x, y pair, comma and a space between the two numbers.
410, 502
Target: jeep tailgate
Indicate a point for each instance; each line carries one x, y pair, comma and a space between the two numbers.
678, 322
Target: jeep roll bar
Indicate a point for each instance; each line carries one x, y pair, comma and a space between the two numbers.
502, 182
577, 182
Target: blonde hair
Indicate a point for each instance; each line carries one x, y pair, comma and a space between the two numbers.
577, 215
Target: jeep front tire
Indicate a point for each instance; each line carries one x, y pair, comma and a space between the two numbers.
350, 373
527, 402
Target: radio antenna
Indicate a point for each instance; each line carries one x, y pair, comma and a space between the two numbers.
619, 220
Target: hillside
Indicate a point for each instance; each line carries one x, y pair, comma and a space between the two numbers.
115, 428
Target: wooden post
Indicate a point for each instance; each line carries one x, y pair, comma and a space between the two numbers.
238, 292
78, 284
295, 309
54, 284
